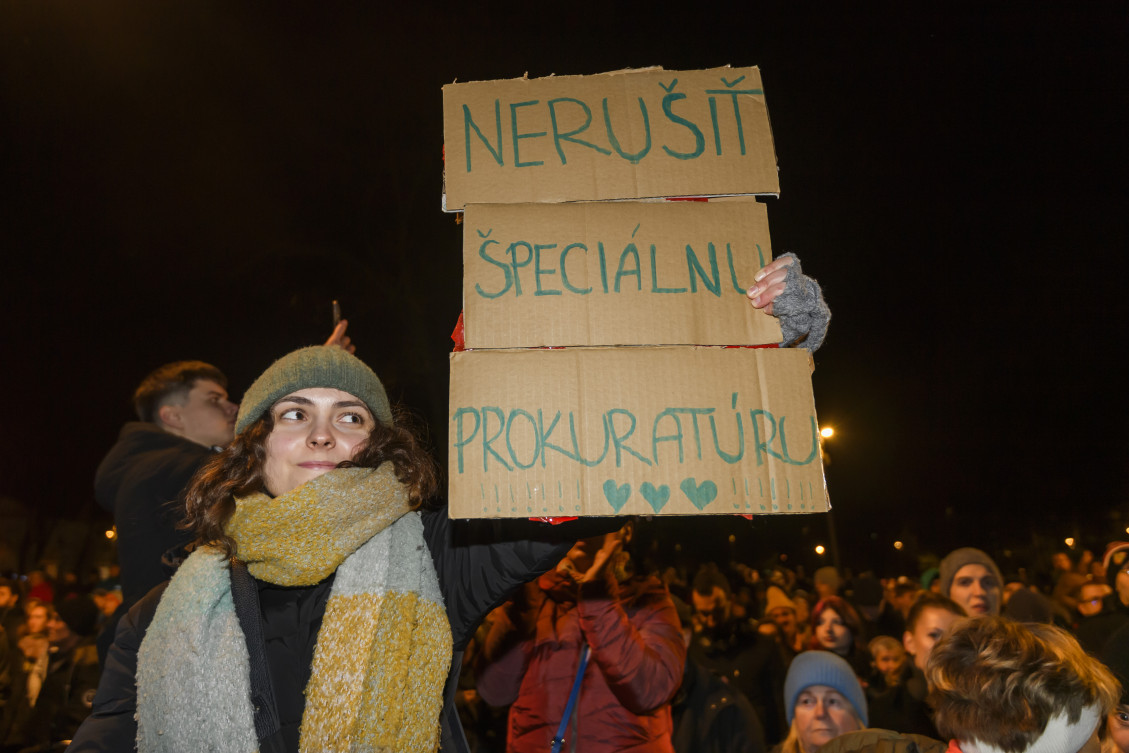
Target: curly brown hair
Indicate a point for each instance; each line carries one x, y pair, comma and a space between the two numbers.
999, 682
238, 471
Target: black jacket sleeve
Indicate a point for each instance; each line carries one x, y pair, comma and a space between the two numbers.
480, 563
111, 725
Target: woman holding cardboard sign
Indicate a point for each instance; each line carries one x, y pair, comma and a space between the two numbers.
783, 291
321, 608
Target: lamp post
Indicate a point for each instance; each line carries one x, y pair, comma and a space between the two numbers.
825, 434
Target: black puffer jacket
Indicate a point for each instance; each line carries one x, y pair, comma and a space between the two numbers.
479, 564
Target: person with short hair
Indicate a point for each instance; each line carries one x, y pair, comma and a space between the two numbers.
822, 699
736, 650
184, 415
887, 658
971, 578
903, 707
1000, 685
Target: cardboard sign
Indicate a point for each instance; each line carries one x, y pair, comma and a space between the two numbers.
617, 431
625, 135
665, 273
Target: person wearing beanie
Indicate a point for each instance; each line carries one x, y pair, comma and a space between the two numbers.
827, 582
321, 600
970, 578
822, 700
999, 685
780, 612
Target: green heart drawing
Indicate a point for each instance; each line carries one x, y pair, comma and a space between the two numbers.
700, 495
617, 497
657, 498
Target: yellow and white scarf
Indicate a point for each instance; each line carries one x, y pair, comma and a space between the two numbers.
383, 650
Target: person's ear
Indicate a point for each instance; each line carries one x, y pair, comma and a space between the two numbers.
908, 644
169, 415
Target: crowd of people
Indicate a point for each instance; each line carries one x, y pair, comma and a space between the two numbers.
289, 583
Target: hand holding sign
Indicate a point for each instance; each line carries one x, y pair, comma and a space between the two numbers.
770, 283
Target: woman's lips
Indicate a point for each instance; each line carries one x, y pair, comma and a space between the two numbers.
318, 465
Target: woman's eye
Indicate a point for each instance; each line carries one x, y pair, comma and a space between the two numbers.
1123, 717
291, 415
353, 418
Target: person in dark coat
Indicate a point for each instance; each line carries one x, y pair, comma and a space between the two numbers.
184, 414
314, 500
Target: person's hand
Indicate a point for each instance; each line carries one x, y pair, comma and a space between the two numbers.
770, 283
341, 340
612, 546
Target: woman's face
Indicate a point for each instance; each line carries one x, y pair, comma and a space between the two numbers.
832, 632
822, 714
37, 620
314, 430
1117, 725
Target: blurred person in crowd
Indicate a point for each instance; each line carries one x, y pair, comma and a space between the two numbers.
1096, 619
827, 582
780, 613
589, 612
823, 699
12, 616
905, 594
736, 650
1000, 685
1026, 605
1116, 564
887, 661
970, 578
931, 580
837, 628
708, 715
1067, 579
39, 587
60, 686
878, 615
903, 707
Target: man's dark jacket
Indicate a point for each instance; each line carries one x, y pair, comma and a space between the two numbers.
479, 564
141, 481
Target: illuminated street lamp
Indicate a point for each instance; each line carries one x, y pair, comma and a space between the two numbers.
898, 545
827, 432
819, 549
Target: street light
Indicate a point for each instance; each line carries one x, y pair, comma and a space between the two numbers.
898, 545
827, 432
819, 549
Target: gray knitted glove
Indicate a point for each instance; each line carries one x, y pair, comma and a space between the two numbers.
802, 312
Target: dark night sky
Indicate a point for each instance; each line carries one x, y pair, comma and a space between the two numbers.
200, 179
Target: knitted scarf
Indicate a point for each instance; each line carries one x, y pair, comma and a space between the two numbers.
383, 650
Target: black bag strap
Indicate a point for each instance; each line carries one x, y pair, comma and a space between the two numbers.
246, 598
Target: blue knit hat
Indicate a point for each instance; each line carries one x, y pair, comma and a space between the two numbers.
822, 668
316, 366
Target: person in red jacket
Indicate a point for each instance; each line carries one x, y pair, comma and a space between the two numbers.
636, 656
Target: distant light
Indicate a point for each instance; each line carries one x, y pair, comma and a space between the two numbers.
678, 547
732, 539
827, 432
898, 545
1127, 530
1070, 541
819, 549
110, 534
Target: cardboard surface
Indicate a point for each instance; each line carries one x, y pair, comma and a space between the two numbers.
618, 431
665, 273
623, 135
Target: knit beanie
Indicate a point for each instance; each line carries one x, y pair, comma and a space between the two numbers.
316, 366
961, 557
1115, 560
827, 576
929, 576
823, 668
80, 614
777, 600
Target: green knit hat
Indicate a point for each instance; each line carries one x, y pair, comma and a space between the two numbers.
315, 366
